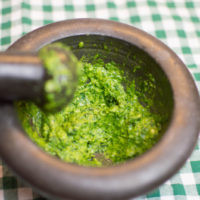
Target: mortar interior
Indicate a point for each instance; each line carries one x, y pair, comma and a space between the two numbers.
129, 57
137, 64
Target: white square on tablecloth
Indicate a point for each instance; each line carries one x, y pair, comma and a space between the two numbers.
25, 193
187, 179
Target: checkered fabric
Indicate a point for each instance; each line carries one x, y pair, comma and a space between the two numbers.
175, 22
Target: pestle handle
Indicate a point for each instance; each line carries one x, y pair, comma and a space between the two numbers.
22, 76
48, 78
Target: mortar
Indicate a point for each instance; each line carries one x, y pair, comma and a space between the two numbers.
175, 89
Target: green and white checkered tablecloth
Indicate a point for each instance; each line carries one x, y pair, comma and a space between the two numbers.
175, 22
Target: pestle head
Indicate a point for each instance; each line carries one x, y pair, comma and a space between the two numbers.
61, 78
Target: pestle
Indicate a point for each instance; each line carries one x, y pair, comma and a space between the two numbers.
49, 78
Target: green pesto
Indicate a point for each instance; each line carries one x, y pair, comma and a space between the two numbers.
81, 44
61, 80
104, 124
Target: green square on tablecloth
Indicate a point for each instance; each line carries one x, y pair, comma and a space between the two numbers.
90, 7
26, 20
5, 11
131, 4
195, 166
135, 19
176, 18
151, 3
181, 33
155, 193
6, 25
5, 40
171, 4
197, 76
156, 17
1, 184
198, 33
193, 66
186, 50
9, 182
195, 19
47, 21
69, 7
198, 188
178, 189
114, 18
26, 5
111, 4
189, 4
161, 34
47, 8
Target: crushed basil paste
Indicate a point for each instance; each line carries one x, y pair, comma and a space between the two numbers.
104, 124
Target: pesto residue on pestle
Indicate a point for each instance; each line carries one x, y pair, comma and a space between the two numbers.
104, 123
61, 81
